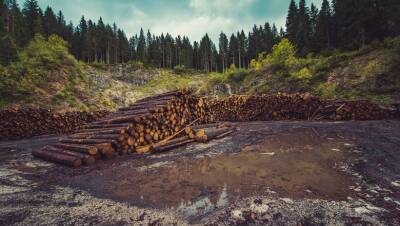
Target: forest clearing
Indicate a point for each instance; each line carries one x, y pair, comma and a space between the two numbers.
294, 121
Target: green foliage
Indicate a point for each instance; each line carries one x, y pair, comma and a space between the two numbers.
374, 67
37, 65
181, 70
99, 65
283, 54
136, 64
232, 75
327, 90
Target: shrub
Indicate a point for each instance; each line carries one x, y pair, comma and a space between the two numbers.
35, 62
283, 53
136, 64
181, 69
328, 90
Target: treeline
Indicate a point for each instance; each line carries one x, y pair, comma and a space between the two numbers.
337, 24
341, 24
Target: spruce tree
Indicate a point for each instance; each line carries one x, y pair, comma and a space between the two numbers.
3, 9
32, 19
323, 30
141, 47
292, 22
49, 22
303, 29
223, 50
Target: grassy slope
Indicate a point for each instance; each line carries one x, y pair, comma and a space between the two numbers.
371, 73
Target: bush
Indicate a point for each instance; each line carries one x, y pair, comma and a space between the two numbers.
283, 54
180, 69
328, 90
136, 64
34, 66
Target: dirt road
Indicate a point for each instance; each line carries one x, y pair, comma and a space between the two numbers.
277, 173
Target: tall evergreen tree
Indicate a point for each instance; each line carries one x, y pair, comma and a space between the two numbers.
223, 50
32, 19
141, 47
49, 22
323, 30
3, 14
303, 29
292, 22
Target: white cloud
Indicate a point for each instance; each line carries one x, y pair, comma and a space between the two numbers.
197, 27
219, 6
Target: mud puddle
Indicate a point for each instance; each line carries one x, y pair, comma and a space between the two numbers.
299, 163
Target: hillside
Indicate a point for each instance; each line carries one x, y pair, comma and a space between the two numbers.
46, 75
370, 73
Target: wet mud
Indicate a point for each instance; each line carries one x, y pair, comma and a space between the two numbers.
264, 173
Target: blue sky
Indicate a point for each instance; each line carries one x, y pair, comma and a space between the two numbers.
178, 17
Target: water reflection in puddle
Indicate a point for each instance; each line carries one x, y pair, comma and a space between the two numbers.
296, 164
203, 205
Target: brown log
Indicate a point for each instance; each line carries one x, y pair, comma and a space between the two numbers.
95, 136
173, 145
85, 141
144, 149
102, 126
86, 159
58, 158
78, 148
204, 135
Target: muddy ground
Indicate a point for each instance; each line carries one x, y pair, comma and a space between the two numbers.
265, 173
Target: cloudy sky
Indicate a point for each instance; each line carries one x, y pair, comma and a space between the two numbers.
178, 17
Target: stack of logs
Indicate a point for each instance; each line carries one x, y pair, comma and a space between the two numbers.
152, 124
172, 119
17, 122
283, 106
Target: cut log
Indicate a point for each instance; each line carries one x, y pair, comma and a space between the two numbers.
204, 135
92, 126
78, 148
58, 158
86, 159
85, 141
170, 146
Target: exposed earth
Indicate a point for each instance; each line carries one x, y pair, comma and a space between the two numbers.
265, 173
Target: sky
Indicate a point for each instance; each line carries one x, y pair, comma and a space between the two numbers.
192, 18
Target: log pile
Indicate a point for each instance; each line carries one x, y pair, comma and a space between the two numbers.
166, 121
155, 124
292, 107
17, 122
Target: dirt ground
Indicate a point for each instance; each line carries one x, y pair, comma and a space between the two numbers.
265, 173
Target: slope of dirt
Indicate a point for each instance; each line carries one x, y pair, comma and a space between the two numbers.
282, 173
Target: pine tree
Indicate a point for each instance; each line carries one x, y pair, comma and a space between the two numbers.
49, 22
83, 44
223, 50
323, 30
314, 12
61, 24
233, 50
3, 15
32, 19
141, 47
292, 22
269, 38
303, 29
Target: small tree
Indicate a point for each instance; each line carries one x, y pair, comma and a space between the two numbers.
283, 54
